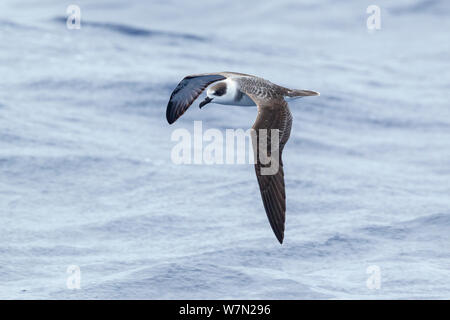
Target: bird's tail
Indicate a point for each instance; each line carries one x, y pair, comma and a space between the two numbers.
293, 93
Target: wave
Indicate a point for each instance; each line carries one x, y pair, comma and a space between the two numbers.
436, 7
438, 219
134, 31
434, 225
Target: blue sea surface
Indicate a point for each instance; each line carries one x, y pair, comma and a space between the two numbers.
86, 176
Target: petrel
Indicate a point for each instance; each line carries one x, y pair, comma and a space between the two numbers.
232, 88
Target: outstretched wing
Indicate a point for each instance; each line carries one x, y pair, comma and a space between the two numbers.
187, 91
272, 114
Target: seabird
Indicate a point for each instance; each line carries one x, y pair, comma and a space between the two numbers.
240, 89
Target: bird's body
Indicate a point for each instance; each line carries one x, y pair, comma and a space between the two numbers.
231, 88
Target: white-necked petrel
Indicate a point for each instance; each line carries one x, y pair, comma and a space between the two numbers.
240, 89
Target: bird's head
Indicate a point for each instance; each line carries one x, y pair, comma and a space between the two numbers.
217, 93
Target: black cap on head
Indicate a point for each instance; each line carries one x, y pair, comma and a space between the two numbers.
219, 89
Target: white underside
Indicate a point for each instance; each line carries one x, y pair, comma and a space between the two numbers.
244, 102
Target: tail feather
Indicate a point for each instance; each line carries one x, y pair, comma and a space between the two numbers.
301, 93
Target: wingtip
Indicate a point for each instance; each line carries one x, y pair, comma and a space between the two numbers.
170, 121
170, 118
280, 237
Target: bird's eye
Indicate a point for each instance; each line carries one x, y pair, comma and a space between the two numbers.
221, 91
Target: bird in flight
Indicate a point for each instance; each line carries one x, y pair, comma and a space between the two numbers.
231, 88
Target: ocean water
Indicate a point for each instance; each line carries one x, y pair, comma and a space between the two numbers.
86, 176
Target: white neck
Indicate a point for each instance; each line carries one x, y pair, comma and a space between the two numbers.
231, 97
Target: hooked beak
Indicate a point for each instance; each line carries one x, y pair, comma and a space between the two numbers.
204, 102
